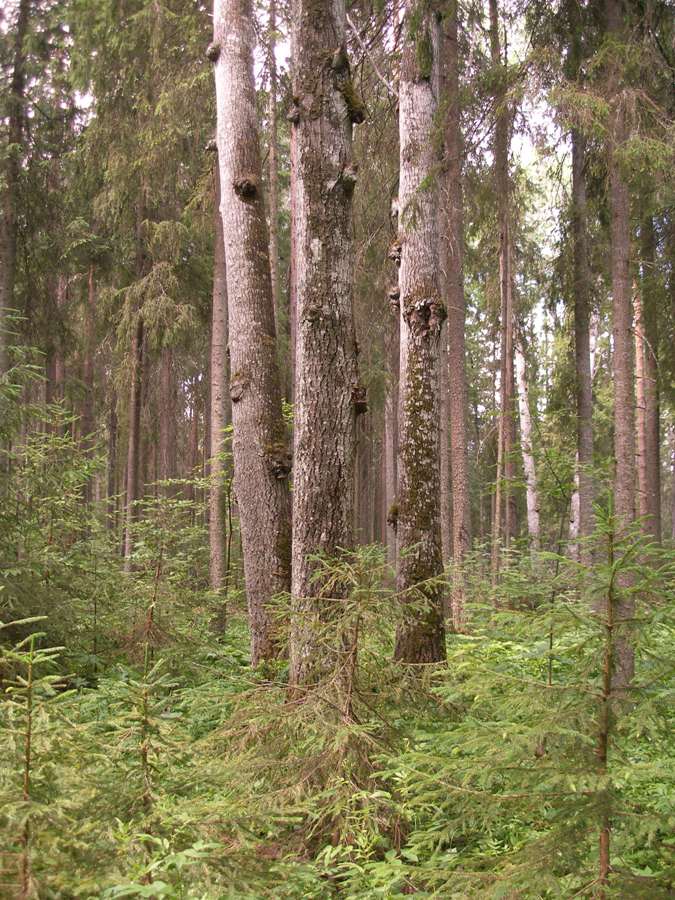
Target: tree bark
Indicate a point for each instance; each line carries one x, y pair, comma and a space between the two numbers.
167, 422
622, 330
420, 636
453, 269
648, 434
219, 407
327, 394
8, 214
504, 498
391, 432
529, 467
261, 457
582, 352
273, 171
133, 439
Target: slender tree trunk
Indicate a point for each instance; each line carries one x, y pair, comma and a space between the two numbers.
167, 421
12, 173
420, 636
531, 492
445, 429
261, 457
649, 438
391, 431
219, 408
453, 266
87, 414
111, 466
622, 328
504, 497
133, 439
582, 351
327, 394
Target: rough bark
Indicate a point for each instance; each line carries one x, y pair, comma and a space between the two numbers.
219, 406
261, 457
582, 352
14, 110
453, 269
132, 494
327, 393
111, 465
420, 636
526, 446
504, 498
273, 171
648, 433
391, 433
622, 330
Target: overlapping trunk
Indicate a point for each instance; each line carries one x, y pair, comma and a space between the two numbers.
327, 394
452, 266
420, 636
261, 457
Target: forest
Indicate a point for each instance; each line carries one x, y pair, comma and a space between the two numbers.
337, 449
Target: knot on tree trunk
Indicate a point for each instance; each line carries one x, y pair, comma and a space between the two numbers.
392, 516
279, 459
356, 108
213, 51
424, 314
340, 61
238, 385
294, 112
394, 251
211, 146
246, 187
394, 297
359, 399
348, 178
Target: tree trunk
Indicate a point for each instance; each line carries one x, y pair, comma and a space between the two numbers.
622, 329
111, 466
531, 493
12, 174
391, 432
327, 394
261, 457
273, 170
452, 265
582, 352
504, 497
167, 422
445, 430
219, 407
133, 439
420, 636
648, 435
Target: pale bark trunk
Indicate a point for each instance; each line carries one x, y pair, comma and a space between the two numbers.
8, 213
582, 353
622, 325
327, 394
87, 415
261, 457
391, 434
273, 171
445, 429
649, 470
453, 265
504, 499
529, 467
420, 636
219, 409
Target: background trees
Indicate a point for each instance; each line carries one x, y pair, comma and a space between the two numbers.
459, 317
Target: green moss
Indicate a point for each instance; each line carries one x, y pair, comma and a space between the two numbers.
424, 54
355, 105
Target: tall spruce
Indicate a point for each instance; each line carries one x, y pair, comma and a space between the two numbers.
327, 392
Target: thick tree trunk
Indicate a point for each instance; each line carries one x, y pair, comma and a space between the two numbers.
452, 265
622, 330
420, 636
391, 433
648, 434
504, 496
526, 445
582, 353
12, 173
327, 394
261, 457
133, 440
219, 407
